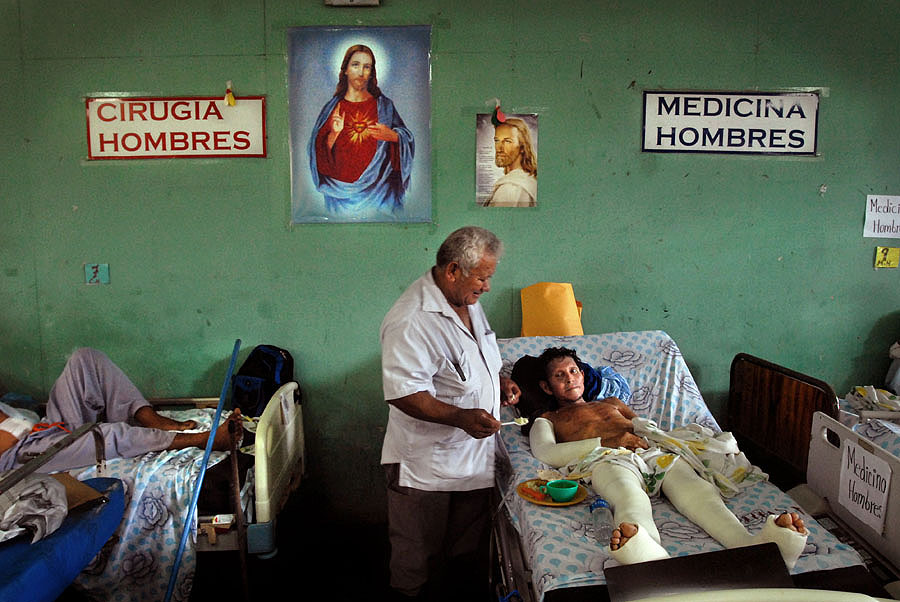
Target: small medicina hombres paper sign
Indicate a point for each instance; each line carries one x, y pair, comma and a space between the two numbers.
864, 485
882, 216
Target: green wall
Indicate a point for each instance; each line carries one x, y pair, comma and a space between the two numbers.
726, 253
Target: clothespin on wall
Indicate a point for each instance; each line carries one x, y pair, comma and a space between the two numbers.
229, 95
497, 117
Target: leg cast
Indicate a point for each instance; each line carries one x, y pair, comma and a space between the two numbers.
700, 502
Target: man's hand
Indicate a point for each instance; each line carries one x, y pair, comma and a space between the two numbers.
337, 126
478, 423
337, 120
423, 406
626, 440
510, 394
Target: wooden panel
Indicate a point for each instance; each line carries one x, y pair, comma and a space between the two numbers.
770, 411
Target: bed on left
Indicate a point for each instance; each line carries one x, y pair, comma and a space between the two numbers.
137, 561
52, 525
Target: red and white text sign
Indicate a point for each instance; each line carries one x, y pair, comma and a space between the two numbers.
156, 128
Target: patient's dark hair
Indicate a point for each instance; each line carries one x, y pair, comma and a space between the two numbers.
552, 354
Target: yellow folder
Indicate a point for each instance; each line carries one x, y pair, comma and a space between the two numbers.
550, 308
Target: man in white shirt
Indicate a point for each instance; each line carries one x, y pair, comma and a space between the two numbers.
440, 372
514, 152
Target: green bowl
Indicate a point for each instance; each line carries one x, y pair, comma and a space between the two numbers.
561, 490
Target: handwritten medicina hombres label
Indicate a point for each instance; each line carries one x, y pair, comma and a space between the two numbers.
864, 485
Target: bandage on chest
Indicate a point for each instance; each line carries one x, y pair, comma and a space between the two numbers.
17, 427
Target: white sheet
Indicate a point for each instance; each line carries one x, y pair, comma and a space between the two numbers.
136, 564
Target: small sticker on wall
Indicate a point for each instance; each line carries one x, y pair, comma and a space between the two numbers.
96, 273
887, 257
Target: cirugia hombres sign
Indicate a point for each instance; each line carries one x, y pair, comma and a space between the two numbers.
192, 127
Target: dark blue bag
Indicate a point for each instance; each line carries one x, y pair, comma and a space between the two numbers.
265, 369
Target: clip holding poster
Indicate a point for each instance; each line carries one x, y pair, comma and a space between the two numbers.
229, 94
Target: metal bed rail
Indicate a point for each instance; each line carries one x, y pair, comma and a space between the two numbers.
510, 577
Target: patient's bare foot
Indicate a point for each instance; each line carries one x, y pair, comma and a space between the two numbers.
621, 535
221, 438
148, 417
792, 521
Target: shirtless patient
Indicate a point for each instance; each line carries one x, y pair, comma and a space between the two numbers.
562, 436
92, 388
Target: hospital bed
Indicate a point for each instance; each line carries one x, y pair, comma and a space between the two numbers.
548, 553
853, 476
41, 571
137, 561
37, 566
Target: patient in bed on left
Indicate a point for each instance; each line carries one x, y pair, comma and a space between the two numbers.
92, 388
627, 459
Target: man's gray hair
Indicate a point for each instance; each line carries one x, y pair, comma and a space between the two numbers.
467, 246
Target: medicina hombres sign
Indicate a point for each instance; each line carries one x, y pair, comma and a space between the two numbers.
726, 122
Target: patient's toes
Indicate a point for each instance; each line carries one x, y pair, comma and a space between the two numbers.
621, 535
615, 540
792, 521
629, 530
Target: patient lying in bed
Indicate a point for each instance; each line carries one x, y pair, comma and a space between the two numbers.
605, 440
92, 388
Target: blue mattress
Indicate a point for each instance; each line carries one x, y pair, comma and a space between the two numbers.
41, 571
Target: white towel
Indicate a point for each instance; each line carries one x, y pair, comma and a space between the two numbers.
36, 504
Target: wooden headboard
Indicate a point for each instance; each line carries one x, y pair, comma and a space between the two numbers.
770, 411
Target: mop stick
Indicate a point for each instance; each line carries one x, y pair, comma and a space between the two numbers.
188, 519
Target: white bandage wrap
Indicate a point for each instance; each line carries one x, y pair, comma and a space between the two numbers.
545, 448
17, 427
18, 422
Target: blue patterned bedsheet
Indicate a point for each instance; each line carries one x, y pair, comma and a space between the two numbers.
884, 433
136, 564
558, 541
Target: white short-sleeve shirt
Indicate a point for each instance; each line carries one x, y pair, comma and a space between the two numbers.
426, 347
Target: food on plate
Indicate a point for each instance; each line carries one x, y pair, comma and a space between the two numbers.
532, 489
